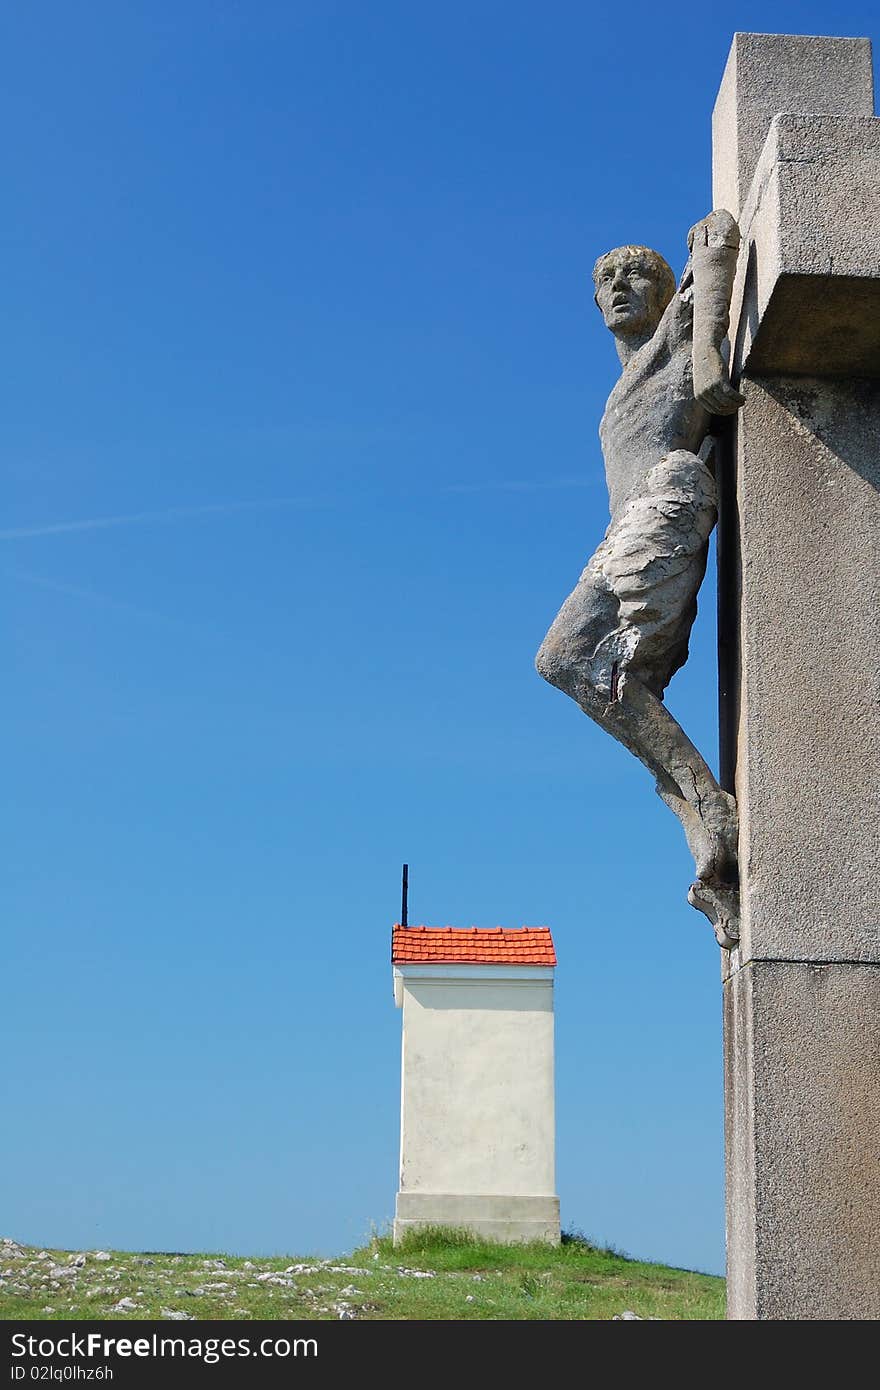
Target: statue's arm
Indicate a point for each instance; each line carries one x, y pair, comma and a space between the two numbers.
714, 246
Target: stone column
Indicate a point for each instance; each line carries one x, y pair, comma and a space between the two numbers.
799, 556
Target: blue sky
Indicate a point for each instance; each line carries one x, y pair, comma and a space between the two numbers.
302, 383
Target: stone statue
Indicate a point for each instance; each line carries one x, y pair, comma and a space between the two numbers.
623, 632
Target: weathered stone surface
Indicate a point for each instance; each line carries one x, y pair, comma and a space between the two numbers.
799, 586
807, 292
802, 1047
769, 73
807, 731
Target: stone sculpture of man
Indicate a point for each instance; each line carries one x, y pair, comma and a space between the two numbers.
623, 632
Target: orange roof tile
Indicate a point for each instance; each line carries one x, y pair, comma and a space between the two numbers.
472, 945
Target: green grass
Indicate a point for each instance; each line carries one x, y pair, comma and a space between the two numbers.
434, 1275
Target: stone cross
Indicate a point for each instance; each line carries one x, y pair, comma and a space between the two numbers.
797, 162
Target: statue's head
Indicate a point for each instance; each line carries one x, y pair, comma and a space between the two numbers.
633, 287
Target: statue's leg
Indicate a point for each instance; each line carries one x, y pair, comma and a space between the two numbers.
639, 720
623, 632
655, 559
707, 813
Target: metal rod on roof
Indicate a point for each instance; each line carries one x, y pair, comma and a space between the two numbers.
404, 896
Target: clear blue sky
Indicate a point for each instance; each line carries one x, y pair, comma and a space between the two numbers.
302, 378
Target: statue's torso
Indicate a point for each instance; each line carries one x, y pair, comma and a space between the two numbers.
652, 409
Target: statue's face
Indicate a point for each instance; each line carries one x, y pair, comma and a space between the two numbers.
629, 295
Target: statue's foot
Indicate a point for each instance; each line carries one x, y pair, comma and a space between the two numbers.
716, 847
720, 903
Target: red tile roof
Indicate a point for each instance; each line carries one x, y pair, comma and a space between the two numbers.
472, 945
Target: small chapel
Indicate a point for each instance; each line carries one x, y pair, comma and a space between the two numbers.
477, 1126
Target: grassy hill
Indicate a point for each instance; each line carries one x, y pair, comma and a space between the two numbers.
434, 1275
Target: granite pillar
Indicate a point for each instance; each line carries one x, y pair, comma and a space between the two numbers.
797, 160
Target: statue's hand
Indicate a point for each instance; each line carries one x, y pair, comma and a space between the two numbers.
712, 386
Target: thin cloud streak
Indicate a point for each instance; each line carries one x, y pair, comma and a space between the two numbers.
517, 485
172, 514
101, 523
41, 581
